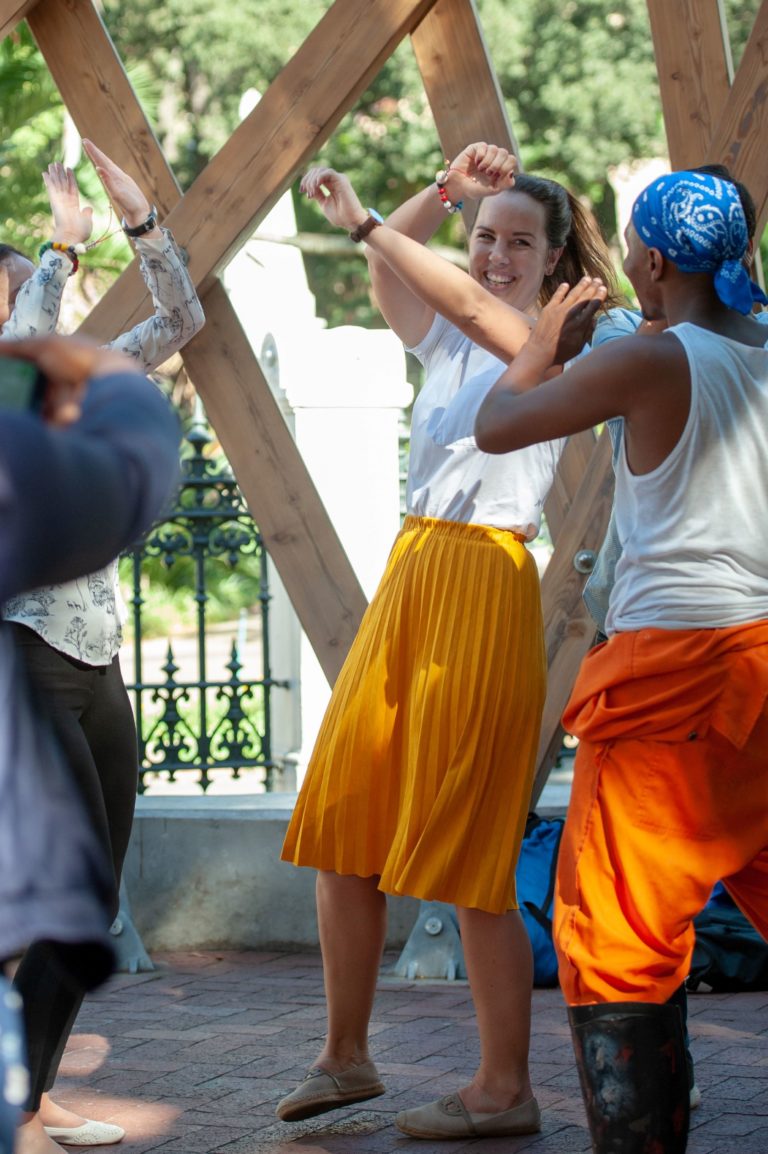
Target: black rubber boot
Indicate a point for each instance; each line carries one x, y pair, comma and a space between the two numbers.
631, 1062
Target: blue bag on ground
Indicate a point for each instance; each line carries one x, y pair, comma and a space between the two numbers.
729, 954
535, 875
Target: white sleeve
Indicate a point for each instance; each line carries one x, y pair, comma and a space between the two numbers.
36, 309
178, 314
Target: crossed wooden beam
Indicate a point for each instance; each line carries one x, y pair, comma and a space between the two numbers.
706, 114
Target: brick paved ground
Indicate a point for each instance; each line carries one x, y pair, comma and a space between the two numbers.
193, 1058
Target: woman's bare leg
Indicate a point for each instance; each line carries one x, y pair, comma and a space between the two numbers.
497, 952
352, 919
31, 1138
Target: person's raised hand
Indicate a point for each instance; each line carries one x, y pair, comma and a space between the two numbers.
481, 170
565, 323
72, 223
336, 197
130, 202
67, 364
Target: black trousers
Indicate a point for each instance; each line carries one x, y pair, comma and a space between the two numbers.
92, 716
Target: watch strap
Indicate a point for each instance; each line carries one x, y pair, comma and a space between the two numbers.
139, 229
362, 230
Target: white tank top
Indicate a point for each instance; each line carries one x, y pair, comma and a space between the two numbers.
693, 531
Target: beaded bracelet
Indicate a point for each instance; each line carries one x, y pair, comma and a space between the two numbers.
440, 180
69, 249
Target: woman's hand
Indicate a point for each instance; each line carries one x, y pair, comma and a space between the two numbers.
565, 323
67, 365
130, 202
72, 224
480, 170
336, 197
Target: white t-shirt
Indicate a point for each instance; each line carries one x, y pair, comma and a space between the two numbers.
449, 477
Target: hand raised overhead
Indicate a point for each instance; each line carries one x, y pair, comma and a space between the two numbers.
482, 170
129, 201
72, 224
335, 195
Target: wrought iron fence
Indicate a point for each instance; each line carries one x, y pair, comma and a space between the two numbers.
196, 724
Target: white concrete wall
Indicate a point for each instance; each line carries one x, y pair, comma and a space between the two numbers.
205, 873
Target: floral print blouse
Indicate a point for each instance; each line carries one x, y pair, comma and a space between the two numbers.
83, 618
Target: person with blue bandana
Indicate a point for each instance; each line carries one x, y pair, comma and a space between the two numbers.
621, 322
670, 787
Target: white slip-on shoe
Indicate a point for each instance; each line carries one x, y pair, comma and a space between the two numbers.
88, 1134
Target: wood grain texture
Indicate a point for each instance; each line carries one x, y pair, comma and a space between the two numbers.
460, 82
261, 159
569, 629
11, 12
299, 535
742, 129
693, 64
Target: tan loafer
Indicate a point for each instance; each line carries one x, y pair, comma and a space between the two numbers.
322, 1091
449, 1118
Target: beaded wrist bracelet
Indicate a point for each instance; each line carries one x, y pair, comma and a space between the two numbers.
441, 178
69, 249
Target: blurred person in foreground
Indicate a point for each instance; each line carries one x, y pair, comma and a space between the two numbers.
69, 633
88, 457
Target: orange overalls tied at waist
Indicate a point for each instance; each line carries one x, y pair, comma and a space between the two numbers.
670, 795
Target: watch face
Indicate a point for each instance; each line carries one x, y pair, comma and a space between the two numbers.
376, 215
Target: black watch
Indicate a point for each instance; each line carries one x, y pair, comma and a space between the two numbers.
145, 226
361, 232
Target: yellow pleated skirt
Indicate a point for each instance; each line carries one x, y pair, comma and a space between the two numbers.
422, 771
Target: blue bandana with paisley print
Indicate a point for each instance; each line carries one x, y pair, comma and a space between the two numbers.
696, 221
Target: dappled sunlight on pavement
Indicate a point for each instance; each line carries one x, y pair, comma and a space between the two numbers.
192, 1059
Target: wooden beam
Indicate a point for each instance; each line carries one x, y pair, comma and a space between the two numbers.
11, 12
739, 139
694, 67
99, 97
569, 629
459, 78
572, 465
292, 520
298, 533
297, 114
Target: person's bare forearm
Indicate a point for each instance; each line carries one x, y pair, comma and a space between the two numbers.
450, 291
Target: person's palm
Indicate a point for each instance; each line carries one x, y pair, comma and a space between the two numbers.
565, 323
72, 224
125, 194
335, 195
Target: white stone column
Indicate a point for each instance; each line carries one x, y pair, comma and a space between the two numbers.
347, 389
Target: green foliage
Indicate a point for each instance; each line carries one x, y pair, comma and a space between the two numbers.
204, 55
578, 78
31, 126
580, 83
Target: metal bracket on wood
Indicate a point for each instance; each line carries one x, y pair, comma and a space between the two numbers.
433, 949
131, 957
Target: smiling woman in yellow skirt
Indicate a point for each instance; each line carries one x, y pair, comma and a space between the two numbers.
421, 776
